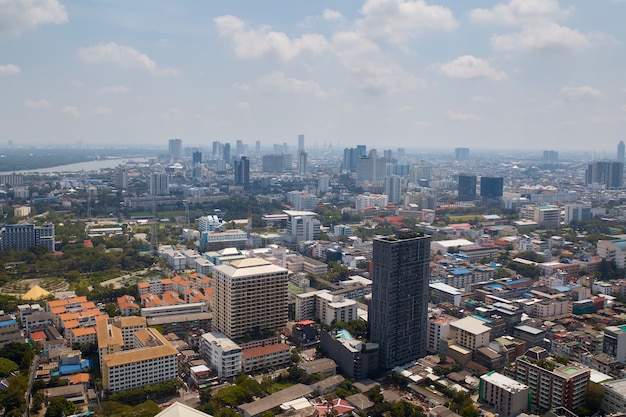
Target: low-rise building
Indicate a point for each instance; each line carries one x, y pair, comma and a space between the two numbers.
506, 396
221, 353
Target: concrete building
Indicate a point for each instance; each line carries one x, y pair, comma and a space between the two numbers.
440, 293
301, 225
23, 236
393, 188
398, 312
470, 332
614, 400
265, 358
159, 183
506, 396
222, 354
553, 385
356, 359
438, 328
9, 329
249, 295
135, 367
612, 251
544, 215
323, 306
232, 238
576, 212
614, 342
605, 174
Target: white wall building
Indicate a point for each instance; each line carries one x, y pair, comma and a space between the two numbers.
222, 354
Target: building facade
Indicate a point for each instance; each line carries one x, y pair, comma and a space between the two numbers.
249, 295
23, 236
399, 310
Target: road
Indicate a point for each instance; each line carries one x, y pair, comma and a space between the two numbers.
31, 378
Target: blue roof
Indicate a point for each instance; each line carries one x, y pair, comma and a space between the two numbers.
499, 286
562, 288
7, 323
516, 281
481, 318
460, 271
620, 243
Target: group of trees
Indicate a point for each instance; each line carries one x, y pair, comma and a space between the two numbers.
12, 398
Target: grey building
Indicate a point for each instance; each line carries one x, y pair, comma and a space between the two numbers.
398, 315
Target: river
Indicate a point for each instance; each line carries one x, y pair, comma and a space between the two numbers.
86, 166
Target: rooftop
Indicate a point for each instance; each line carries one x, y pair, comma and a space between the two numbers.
504, 382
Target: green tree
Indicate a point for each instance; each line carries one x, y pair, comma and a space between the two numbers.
60, 407
594, 394
7, 366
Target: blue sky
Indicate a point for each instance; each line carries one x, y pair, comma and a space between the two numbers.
514, 74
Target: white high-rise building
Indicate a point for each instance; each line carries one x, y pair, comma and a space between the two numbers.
159, 183
302, 162
393, 187
249, 295
301, 225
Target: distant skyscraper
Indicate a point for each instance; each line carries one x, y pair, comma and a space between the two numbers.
323, 184
242, 171
371, 169
276, 162
196, 157
401, 152
121, 178
303, 162
550, 156
351, 157
300, 143
620, 151
257, 147
461, 154
217, 148
398, 314
491, 187
159, 183
226, 153
392, 188
388, 154
176, 149
609, 174
466, 187
239, 145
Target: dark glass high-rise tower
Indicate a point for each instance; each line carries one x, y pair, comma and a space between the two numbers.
398, 314
466, 187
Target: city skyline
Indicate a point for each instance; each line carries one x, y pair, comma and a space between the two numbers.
509, 74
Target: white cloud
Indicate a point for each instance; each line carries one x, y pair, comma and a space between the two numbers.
242, 86
549, 37
71, 111
37, 104
470, 67
103, 110
519, 12
255, 43
113, 89
9, 69
582, 93
243, 105
122, 56
482, 99
19, 16
373, 72
397, 20
277, 82
461, 117
330, 14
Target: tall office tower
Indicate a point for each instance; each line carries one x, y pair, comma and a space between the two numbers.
371, 169
242, 171
401, 152
398, 315
285, 147
121, 178
302, 162
257, 147
392, 188
461, 154
300, 143
491, 187
217, 148
323, 184
226, 153
466, 187
276, 162
351, 157
609, 174
388, 155
23, 236
420, 172
550, 156
239, 146
249, 295
620, 151
176, 149
196, 157
159, 183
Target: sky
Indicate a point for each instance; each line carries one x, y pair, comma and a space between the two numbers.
511, 74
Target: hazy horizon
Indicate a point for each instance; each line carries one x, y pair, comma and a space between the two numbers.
506, 75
